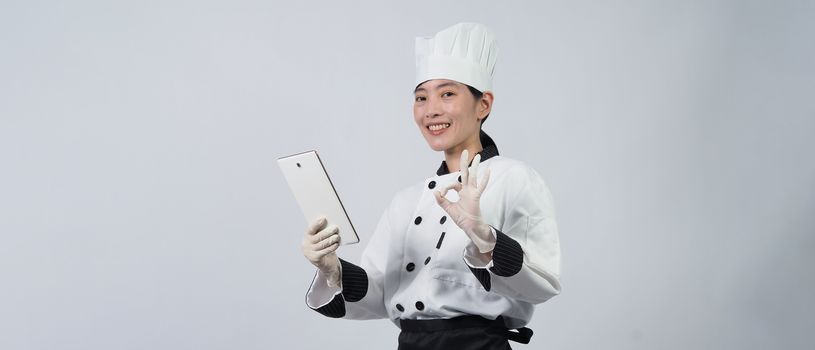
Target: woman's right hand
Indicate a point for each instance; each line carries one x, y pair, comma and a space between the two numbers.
319, 245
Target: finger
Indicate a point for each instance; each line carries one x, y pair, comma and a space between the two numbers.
483, 185
474, 175
441, 193
323, 244
442, 202
316, 225
328, 250
463, 165
324, 233
326, 242
454, 186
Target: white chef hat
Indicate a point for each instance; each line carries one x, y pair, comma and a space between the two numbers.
465, 52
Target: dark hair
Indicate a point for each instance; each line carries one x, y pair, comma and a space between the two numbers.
477, 95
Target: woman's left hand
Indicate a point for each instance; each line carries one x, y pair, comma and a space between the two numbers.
466, 212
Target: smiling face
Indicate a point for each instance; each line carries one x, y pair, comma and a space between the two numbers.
448, 115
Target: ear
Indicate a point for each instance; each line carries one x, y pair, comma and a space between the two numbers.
484, 106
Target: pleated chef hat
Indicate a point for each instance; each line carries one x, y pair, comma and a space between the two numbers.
465, 52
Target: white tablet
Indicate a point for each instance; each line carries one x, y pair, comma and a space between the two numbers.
315, 193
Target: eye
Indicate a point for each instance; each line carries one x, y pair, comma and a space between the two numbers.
420, 98
447, 94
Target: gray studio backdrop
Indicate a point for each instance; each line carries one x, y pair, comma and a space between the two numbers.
141, 206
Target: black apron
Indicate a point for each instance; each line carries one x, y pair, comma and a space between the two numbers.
459, 333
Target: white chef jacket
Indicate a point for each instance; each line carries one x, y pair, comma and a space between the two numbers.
419, 265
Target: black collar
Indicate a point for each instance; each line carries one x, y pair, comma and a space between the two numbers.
490, 150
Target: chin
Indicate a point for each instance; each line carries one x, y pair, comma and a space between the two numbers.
437, 145
438, 148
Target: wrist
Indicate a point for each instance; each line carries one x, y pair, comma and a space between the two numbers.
483, 238
332, 274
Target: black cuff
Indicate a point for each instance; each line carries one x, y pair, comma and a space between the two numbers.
482, 275
354, 282
334, 309
507, 256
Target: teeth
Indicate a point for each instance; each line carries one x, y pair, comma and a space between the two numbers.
438, 127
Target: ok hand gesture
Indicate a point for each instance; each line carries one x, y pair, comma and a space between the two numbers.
466, 212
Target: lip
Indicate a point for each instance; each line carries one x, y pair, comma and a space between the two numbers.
437, 132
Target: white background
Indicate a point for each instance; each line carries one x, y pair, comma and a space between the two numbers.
141, 206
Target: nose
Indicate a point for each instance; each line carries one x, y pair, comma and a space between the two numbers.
433, 108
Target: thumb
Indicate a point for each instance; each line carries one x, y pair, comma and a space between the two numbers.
441, 200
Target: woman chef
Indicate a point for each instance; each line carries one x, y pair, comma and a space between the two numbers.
457, 260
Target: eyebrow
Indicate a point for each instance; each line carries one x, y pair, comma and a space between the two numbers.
442, 85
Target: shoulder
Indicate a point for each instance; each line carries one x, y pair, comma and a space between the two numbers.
511, 172
517, 182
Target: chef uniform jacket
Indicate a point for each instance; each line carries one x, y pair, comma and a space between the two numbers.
420, 265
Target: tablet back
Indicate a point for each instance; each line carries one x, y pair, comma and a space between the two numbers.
311, 186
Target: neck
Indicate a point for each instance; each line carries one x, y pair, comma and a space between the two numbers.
452, 156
